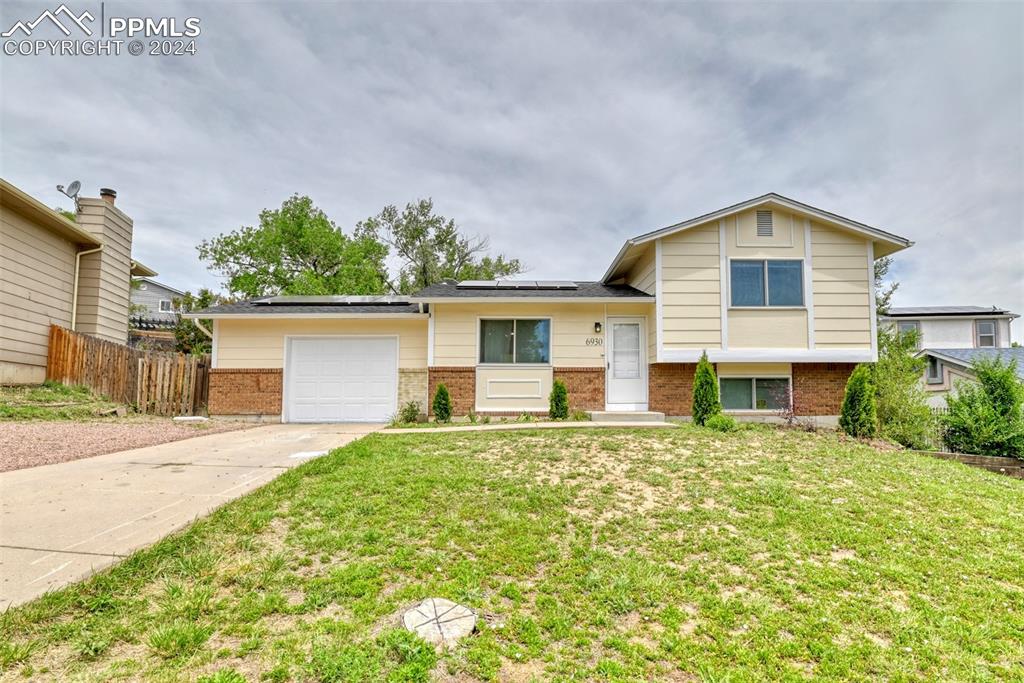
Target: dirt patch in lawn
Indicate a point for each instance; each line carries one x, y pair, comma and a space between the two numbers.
30, 444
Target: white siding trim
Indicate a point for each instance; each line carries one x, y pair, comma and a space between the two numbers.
430, 338
809, 283
213, 344
723, 283
871, 302
659, 295
863, 355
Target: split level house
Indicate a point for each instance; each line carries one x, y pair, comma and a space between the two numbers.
57, 271
779, 294
952, 338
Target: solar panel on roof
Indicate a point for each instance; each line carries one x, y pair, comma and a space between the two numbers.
477, 284
517, 284
332, 300
556, 284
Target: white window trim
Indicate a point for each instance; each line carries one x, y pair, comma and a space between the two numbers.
929, 377
978, 335
753, 395
513, 364
170, 306
766, 306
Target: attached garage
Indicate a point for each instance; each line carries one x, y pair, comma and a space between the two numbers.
341, 379
318, 359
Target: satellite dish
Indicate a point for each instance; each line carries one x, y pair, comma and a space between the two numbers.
72, 190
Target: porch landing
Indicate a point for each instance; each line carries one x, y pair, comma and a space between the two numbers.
626, 416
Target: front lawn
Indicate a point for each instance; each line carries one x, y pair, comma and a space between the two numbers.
623, 555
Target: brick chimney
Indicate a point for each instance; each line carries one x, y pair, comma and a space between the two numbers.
105, 277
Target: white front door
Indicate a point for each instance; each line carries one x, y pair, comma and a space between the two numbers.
626, 364
341, 379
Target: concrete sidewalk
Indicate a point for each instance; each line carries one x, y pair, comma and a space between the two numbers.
60, 523
512, 426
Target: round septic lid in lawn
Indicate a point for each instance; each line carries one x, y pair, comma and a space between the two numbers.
440, 621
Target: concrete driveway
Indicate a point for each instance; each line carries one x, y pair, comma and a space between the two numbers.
60, 523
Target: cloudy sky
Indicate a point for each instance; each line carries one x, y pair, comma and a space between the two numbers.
557, 130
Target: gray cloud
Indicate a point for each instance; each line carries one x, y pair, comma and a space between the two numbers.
556, 130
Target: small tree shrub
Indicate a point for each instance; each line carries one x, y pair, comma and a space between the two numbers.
987, 417
409, 412
705, 392
558, 401
721, 423
578, 415
903, 412
858, 416
442, 404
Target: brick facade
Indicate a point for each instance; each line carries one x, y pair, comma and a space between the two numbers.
818, 388
461, 383
585, 385
670, 388
245, 392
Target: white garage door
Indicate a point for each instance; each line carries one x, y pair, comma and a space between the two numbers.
341, 379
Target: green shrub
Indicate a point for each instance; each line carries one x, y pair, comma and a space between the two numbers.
577, 415
901, 401
442, 404
987, 417
858, 417
409, 412
558, 401
721, 423
705, 391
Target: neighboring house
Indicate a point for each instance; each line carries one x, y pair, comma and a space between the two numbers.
56, 271
951, 337
779, 293
948, 367
954, 327
154, 301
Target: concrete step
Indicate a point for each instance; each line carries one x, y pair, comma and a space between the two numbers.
626, 416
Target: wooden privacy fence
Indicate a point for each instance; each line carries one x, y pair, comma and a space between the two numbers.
155, 382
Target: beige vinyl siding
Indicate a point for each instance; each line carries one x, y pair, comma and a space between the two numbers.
36, 284
787, 240
572, 324
691, 288
841, 281
768, 329
642, 275
754, 369
253, 343
105, 280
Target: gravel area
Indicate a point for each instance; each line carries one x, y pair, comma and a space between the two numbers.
29, 444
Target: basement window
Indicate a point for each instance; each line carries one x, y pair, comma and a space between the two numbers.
755, 393
764, 224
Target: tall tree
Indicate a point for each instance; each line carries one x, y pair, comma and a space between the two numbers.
883, 290
188, 338
296, 249
431, 248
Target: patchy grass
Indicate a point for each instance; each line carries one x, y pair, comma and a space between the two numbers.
622, 555
51, 401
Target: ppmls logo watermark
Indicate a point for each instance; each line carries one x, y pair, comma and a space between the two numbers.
110, 35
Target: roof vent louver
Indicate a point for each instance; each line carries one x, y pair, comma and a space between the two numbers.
764, 224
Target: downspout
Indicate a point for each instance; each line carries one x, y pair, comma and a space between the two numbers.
74, 295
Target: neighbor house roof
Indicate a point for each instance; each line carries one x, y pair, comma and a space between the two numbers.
319, 306
965, 357
141, 270
924, 311
151, 281
513, 290
887, 242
